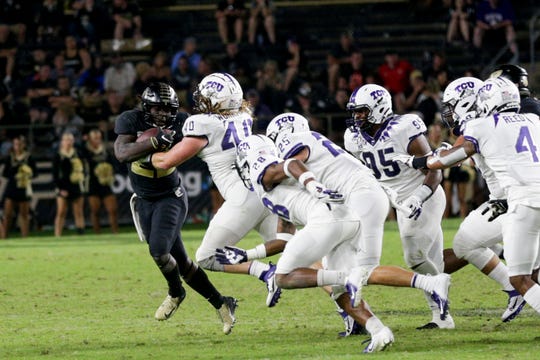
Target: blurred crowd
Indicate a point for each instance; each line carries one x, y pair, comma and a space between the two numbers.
57, 79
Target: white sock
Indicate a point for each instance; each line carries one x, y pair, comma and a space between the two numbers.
374, 325
500, 275
532, 297
423, 282
331, 277
256, 268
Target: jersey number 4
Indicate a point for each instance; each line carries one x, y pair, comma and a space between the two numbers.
525, 143
234, 136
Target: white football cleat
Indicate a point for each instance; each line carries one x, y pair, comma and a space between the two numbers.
168, 307
515, 304
440, 293
354, 282
447, 323
380, 340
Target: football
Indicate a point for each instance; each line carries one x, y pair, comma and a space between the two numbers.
150, 133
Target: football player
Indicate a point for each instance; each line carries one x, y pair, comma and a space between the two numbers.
478, 232
520, 77
329, 230
223, 121
375, 135
508, 143
161, 205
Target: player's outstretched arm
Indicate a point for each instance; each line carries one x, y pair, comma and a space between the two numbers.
445, 159
187, 148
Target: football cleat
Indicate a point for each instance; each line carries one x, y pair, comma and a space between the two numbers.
515, 304
447, 323
440, 293
169, 307
351, 326
274, 292
226, 313
380, 341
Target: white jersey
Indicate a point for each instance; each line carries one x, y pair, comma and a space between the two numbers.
509, 144
392, 139
495, 189
223, 134
332, 165
290, 201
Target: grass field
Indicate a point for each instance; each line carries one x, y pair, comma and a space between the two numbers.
94, 297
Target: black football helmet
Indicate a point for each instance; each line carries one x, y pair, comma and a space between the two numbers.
164, 98
516, 74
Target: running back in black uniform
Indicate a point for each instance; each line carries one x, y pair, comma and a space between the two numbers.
161, 203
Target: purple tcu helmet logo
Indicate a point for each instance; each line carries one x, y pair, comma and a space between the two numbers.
214, 85
464, 86
284, 121
243, 147
376, 94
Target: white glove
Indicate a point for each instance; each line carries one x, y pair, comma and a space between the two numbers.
413, 204
319, 191
405, 159
444, 146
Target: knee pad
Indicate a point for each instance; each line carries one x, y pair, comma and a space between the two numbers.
188, 270
165, 262
461, 245
210, 263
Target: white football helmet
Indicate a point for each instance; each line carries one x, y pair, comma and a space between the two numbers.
497, 95
459, 101
218, 92
248, 151
369, 104
286, 122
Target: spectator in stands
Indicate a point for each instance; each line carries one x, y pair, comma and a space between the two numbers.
8, 50
302, 102
119, 76
19, 169
183, 79
39, 91
95, 75
236, 63
113, 106
394, 74
99, 163
68, 177
50, 22
337, 110
207, 66
428, 105
296, 64
190, 52
230, 15
90, 17
262, 113
160, 70
64, 94
14, 14
437, 62
60, 69
339, 56
127, 20
262, 11
412, 94
495, 21
462, 16
270, 85
76, 57
7, 118
66, 119
353, 73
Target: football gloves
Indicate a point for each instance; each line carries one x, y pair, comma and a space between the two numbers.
319, 191
231, 255
414, 204
162, 141
495, 208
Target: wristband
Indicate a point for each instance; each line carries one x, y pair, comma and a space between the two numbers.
420, 162
304, 176
286, 167
284, 236
258, 252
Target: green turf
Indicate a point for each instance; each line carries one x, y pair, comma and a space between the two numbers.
93, 297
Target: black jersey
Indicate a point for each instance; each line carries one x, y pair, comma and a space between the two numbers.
530, 105
149, 183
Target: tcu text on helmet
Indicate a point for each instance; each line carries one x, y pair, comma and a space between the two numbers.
377, 93
464, 86
214, 85
284, 120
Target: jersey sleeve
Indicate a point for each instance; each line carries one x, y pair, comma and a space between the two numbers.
125, 124
411, 127
473, 131
199, 125
258, 168
290, 144
350, 143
